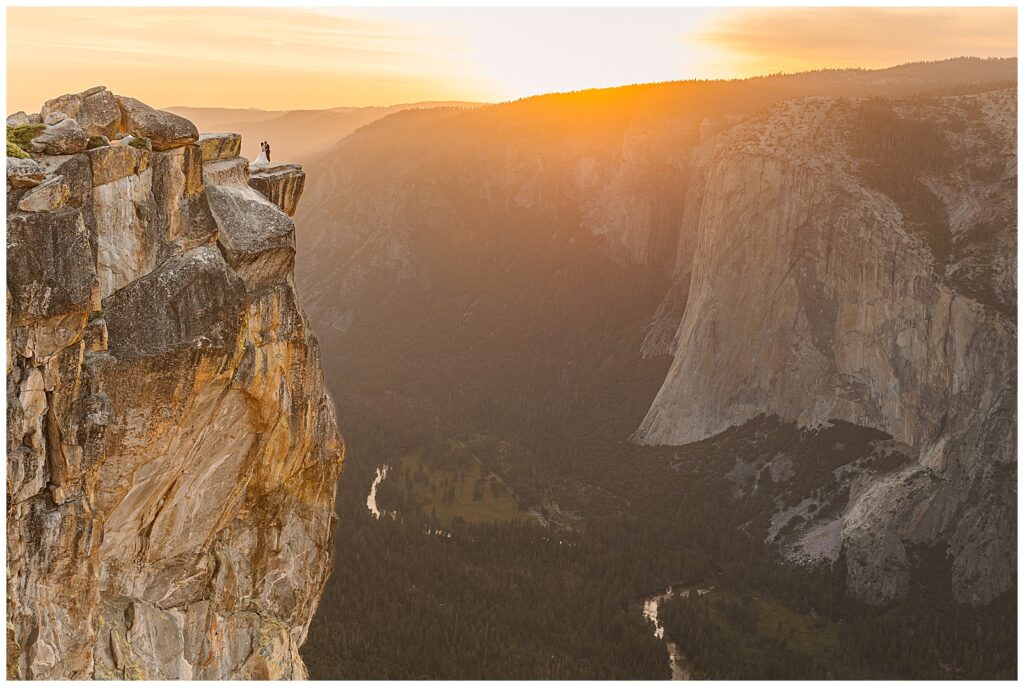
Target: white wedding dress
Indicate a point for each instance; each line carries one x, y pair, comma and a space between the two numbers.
262, 159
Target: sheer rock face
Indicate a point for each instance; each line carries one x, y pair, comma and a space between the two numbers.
812, 298
172, 453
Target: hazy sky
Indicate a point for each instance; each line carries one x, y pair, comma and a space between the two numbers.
316, 58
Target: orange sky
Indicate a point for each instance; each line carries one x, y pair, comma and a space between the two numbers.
277, 58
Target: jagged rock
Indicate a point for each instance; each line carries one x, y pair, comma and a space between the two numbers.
147, 207
232, 172
193, 301
24, 173
50, 195
172, 453
258, 240
164, 129
50, 267
96, 111
220, 146
282, 183
77, 174
63, 138
95, 336
111, 163
51, 281
19, 118
182, 209
77, 177
127, 240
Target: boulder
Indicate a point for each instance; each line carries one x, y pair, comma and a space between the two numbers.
281, 183
111, 163
233, 172
181, 212
220, 146
76, 173
50, 268
50, 195
24, 173
257, 239
96, 111
165, 129
20, 118
54, 118
191, 301
64, 138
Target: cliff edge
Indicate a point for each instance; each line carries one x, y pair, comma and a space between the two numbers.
172, 452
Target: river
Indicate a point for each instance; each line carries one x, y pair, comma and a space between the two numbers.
681, 669
371, 500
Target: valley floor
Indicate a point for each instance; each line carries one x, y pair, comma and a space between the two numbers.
572, 600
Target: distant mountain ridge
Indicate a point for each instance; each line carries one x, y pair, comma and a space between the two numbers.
295, 135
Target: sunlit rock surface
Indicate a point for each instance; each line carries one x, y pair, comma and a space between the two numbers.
172, 453
282, 183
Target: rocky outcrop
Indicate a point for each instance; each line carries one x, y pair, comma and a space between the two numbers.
165, 129
172, 453
282, 183
96, 110
227, 146
24, 173
815, 297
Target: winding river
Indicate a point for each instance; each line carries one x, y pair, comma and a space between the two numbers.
681, 669
371, 500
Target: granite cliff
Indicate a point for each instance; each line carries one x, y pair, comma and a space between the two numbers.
172, 452
823, 288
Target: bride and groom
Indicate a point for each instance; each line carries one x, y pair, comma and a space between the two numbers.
264, 157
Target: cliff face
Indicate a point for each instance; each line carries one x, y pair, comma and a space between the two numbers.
282, 183
824, 289
172, 453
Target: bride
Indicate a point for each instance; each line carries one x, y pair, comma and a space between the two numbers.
264, 157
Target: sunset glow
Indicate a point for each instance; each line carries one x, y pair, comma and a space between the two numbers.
275, 58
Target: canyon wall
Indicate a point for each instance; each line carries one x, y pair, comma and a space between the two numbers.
172, 452
819, 294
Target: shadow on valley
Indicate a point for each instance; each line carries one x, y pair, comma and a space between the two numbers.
516, 600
